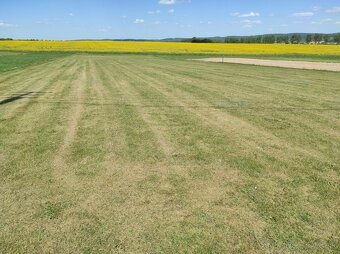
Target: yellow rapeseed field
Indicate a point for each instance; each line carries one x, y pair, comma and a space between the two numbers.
170, 47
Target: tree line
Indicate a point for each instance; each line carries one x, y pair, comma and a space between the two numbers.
293, 39
198, 40
271, 39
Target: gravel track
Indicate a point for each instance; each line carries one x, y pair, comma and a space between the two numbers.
278, 63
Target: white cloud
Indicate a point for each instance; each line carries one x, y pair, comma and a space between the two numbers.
247, 21
43, 22
123, 17
71, 14
302, 14
321, 21
105, 29
337, 23
139, 21
334, 10
250, 14
167, 1
208, 22
3, 24
154, 12
171, 11
316, 8
245, 15
250, 23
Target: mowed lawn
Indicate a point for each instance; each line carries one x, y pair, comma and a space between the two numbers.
158, 154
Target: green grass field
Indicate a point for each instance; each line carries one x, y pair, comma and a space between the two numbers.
158, 154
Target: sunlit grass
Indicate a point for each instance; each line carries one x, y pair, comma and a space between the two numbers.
150, 154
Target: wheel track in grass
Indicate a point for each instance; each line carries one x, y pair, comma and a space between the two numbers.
33, 72
286, 152
157, 107
62, 171
248, 134
35, 115
218, 74
48, 83
292, 117
203, 194
110, 142
133, 97
39, 87
29, 80
248, 89
168, 76
36, 165
103, 89
155, 87
208, 90
133, 206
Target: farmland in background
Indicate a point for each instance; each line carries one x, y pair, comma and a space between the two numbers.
172, 47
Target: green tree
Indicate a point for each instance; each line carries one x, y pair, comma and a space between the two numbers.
282, 39
203, 40
231, 40
259, 39
326, 38
337, 38
318, 38
269, 39
309, 38
296, 39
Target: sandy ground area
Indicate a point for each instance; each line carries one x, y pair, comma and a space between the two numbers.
278, 63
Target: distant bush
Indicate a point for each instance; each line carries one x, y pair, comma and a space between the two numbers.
198, 40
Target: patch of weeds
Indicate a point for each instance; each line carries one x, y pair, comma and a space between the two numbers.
231, 103
51, 210
247, 165
179, 189
149, 183
86, 171
276, 123
95, 235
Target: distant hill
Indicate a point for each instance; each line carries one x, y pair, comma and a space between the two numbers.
219, 39
262, 38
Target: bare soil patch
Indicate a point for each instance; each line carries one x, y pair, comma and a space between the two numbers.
278, 63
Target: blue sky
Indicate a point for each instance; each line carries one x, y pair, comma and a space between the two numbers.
154, 19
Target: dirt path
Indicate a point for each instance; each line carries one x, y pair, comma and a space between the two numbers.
277, 63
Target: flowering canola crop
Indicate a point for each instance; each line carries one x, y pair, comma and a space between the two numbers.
170, 47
